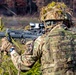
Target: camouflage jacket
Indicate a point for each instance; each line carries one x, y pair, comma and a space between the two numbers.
56, 51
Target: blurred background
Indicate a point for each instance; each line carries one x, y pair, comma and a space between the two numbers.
18, 13
29, 7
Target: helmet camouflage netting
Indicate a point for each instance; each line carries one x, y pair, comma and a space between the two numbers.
55, 11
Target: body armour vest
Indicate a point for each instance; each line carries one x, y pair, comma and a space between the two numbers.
59, 52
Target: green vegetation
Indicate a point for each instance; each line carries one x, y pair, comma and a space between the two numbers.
1, 25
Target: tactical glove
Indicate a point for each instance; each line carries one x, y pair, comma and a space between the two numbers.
5, 44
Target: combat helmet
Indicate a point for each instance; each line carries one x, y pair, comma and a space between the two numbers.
54, 12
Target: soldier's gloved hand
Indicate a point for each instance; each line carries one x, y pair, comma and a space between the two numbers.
5, 45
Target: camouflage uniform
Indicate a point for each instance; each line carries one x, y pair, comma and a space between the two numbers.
56, 50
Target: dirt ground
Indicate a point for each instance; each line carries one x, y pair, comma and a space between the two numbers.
18, 22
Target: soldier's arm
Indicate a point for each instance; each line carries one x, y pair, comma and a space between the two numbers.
23, 62
26, 61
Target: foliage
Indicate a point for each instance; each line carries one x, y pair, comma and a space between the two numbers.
27, 27
6, 66
34, 71
53, 10
1, 25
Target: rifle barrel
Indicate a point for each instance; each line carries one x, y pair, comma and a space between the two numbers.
19, 34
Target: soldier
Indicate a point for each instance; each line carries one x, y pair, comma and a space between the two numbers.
56, 49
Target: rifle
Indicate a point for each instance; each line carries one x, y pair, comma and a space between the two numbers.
35, 31
21, 34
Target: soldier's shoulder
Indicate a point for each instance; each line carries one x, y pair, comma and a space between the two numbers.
40, 39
